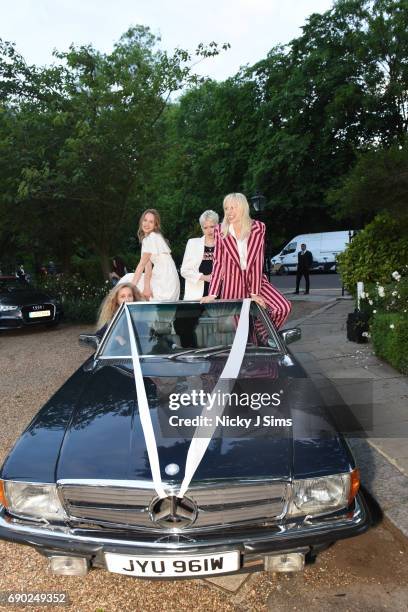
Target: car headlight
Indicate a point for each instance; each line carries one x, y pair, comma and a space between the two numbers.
39, 501
316, 496
5, 308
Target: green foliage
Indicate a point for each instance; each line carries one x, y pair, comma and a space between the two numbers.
84, 311
389, 335
377, 183
90, 142
210, 134
79, 142
390, 297
88, 269
375, 252
80, 299
387, 307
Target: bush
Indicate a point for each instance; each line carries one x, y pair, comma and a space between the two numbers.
81, 312
389, 335
375, 252
390, 297
89, 269
80, 299
387, 305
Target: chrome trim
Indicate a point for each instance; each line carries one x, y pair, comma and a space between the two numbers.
271, 327
247, 542
226, 504
106, 334
99, 482
148, 484
173, 513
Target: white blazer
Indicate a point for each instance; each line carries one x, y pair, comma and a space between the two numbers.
193, 256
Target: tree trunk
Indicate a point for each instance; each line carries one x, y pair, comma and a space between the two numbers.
105, 264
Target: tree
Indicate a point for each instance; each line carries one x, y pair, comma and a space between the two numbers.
209, 137
377, 183
94, 130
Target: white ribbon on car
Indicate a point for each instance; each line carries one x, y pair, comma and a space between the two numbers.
144, 412
199, 442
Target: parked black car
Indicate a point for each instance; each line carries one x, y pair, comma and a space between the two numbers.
78, 484
22, 305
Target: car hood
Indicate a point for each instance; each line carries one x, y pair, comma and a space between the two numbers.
105, 440
23, 297
90, 429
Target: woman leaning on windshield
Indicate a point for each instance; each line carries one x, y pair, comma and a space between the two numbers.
238, 261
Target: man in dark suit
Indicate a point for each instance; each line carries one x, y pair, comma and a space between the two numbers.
305, 262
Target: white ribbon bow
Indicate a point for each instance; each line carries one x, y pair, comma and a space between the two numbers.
199, 444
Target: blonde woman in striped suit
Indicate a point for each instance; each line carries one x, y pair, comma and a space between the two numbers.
238, 261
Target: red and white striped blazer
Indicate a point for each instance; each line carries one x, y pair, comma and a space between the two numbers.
228, 280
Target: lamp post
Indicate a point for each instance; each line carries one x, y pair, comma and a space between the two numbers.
258, 202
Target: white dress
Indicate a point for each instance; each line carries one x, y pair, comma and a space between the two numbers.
165, 282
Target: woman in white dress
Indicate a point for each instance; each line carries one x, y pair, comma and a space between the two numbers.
160, 279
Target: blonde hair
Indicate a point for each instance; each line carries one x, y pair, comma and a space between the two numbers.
157, 223
110, 304
243, 207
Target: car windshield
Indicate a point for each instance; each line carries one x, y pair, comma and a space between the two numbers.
174, 329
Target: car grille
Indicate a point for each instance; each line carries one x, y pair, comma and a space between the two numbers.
25, 311
218, 506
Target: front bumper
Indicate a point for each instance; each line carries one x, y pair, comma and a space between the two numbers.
16, 319
253, 544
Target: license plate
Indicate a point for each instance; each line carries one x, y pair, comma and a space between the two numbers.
156, 567
39, 313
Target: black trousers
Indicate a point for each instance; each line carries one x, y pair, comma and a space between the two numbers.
299, 275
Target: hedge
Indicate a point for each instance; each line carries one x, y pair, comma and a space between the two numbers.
389, 335
80, 299
375, 252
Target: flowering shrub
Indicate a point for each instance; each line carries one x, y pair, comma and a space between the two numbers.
80, 298
387, 297
387, 307
375, 252
389, 335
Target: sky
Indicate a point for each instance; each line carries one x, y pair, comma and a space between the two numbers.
252, 27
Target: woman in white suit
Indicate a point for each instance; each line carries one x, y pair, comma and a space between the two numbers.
198, 258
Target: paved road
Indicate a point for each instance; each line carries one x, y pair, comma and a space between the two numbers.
317, 281
366, 573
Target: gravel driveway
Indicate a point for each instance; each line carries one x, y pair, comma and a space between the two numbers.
366, 573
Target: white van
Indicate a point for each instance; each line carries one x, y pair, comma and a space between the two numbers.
324, 248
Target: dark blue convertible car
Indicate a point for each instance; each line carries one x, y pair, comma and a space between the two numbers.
96, 478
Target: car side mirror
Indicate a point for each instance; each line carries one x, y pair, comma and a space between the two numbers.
291, 335
89, 340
